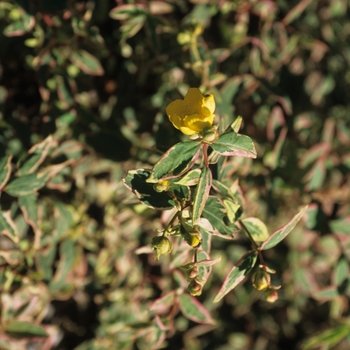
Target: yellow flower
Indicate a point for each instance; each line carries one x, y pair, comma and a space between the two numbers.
192, 114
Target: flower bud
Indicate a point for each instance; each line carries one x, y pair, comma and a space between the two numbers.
210, 134
193, 239
193, 273
194, 288
162, 186
261, 280
161, 245
271, 295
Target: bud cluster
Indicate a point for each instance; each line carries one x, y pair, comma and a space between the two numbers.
195, 286
261, 280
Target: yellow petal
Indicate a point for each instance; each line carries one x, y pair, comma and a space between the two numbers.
192, 114
209, 102
187, 131
176, 120
194, 98
175, 108
197, 122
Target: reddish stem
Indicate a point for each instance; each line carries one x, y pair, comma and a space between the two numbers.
205, 154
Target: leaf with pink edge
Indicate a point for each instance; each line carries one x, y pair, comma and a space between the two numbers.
282, 233
201, 194
237, 274
194, 310
175, 161
233, 144
164, 303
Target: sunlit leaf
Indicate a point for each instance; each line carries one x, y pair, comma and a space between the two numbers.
215, 212
201, 194
237, 274
282, 233
232, 144
26, 184
177, 160
194, 310
256, 228
135, 181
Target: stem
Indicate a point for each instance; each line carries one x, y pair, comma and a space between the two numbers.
170, 223
195, 255
194, 49
205, 154
262, 261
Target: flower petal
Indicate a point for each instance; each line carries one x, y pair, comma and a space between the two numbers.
175, 108
209, 102
192, 114
187, 131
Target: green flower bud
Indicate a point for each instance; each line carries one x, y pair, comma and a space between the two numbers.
193, 239
161, 245
261, 280
210, 134
271, 295
195, 288
162, 186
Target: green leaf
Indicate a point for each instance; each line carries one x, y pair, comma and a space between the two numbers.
214, 211
8, 227
37, 154
135, 181
64, 92
340, 225
176, 161
194, 310
327, 339
205, 265
341, 271
190, 179
282, 233
45, 261
256, 228
67, 257
232, 209
164, 303
223, 189
237, 274
12, 257
316, 176
5, 171
232, 144
29, 207
63, 220
25, 330
21, 26
326, 294
126, 11
315, 152
235, 126
26, 184
201, 194
88, 63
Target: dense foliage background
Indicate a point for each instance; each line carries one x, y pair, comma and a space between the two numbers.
83, 91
